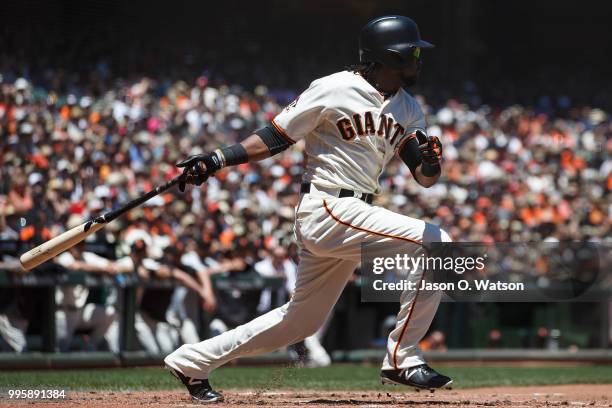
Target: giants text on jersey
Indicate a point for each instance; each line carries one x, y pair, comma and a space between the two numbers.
351, 131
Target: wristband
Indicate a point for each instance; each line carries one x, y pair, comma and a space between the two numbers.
231, 156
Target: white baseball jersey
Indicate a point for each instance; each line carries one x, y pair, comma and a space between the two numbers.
351, 131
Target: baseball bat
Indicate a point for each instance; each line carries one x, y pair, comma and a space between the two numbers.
70, 238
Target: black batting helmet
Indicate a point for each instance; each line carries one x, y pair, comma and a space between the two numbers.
391, 40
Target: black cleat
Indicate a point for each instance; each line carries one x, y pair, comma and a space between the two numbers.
421, 377
200, 390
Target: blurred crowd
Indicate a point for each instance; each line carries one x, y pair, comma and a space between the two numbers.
515, 175
72, 149
510, 174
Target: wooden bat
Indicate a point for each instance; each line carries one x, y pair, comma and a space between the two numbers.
70, 238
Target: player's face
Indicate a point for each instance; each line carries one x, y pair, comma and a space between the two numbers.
390, 79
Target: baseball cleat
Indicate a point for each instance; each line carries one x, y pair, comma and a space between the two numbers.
199, 389
421, 377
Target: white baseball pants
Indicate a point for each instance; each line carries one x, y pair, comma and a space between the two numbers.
13, 329
330, 232
91, 316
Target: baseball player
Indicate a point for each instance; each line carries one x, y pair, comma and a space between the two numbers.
353, 122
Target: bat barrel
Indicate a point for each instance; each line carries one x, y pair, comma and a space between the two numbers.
55, 246
70, 238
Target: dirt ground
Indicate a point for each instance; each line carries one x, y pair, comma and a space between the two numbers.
537, 396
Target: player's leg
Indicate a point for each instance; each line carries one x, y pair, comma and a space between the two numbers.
320, 283
188, 332
317, 355
183, 312
167, 336
145, 327
417, 310
98, 318
65, 326
356, 223
404, 362
12, 330
112, 336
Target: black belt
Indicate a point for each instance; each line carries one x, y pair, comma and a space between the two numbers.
343, 193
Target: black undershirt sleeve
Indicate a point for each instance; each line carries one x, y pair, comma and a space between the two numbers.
410, 154
275, 141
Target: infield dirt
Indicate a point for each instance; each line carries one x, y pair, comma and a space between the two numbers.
536, 396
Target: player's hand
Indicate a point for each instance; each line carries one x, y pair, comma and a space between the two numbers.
163, 272
195, 170
209, 301
112, 269
430, 147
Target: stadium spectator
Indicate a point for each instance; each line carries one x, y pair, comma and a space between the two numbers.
6, 232
13, 327
7, 262
74, 312
276, 264
190, 258
185, 305
14, 321
154, 330
495, 339
436, 340
541, 338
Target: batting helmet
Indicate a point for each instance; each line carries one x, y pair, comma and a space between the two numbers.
391, 40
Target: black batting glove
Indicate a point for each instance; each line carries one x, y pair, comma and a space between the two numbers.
430, 147
197, 169
431, 152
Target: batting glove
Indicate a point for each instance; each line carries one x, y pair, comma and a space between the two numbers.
430, 147
197, 169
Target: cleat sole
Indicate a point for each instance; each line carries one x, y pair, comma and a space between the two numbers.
387, 381
208, 401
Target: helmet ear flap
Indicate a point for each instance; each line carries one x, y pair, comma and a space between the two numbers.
394, 59
397, 60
